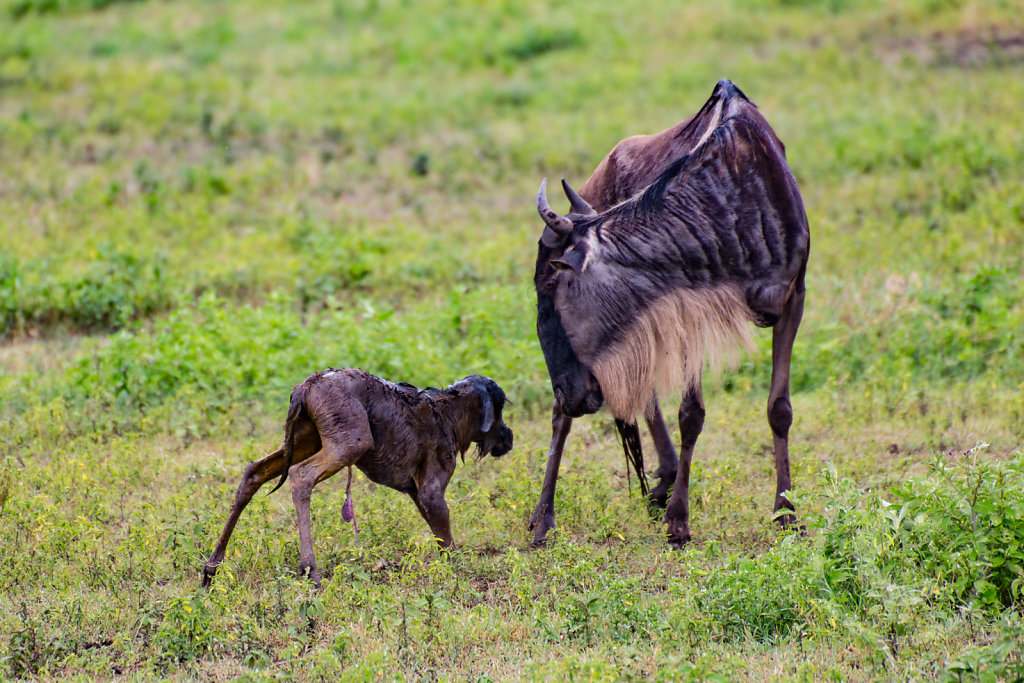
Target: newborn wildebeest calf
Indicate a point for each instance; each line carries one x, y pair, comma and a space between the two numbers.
398, 435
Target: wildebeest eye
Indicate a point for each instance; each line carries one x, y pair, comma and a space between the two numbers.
550, 284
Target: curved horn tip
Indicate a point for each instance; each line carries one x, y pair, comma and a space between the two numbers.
579, 204
560, 224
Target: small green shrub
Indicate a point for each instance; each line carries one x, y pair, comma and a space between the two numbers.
186, 630
1002, 659
965, 527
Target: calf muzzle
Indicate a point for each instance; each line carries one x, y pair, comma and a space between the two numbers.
503, 444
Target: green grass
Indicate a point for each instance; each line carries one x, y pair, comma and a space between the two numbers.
205, 202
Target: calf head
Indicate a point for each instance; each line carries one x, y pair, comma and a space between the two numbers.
492, 437
572, 379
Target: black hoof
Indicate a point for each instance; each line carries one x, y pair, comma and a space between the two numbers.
679, 542
207, 577
657, 499
541, 529
678, 532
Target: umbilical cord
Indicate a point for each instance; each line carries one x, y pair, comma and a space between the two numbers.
348, 510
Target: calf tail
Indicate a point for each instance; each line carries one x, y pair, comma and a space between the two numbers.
295, 408
634, 452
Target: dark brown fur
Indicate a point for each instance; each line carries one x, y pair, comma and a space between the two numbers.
657, 228
397, 435
633, 164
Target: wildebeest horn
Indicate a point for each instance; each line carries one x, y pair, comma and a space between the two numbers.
579, 204
488, 407
561, 225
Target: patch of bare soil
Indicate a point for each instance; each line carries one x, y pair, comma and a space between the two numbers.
968, 48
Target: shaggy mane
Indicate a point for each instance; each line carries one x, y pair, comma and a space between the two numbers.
664, 349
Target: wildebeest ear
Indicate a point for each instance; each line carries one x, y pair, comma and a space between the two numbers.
551, 239
488, 407
571, 260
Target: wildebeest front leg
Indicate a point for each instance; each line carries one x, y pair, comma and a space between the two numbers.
345, 439
691, 422
780, 411
543, 519
668, 463
255, 475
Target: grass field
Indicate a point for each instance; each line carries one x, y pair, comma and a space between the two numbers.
203, 202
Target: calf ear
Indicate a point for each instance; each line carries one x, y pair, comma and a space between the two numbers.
488, 407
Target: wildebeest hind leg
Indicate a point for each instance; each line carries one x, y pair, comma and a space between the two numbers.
780, 411
668, 462
255, 475
543, 519
691, 422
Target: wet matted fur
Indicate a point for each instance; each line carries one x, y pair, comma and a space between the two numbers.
399, 436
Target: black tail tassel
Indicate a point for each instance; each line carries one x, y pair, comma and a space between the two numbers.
634, 452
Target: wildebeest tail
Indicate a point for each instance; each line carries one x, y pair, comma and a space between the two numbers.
634, 452
295, 408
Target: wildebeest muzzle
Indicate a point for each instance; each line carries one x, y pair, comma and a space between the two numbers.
576, 398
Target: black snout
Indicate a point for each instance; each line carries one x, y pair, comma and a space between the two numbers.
504, 443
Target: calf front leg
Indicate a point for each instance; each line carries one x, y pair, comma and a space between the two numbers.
677, 514
432, 506
543, 518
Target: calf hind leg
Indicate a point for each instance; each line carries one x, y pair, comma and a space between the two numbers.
344, 441
255, 475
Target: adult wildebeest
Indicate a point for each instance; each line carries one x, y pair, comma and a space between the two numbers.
396, 434
701, 230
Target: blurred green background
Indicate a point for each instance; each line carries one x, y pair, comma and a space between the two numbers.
203, 202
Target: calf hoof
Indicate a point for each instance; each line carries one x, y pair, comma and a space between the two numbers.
312, 574
788, 523
678, 542
786, 520
540, 535
541, 522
